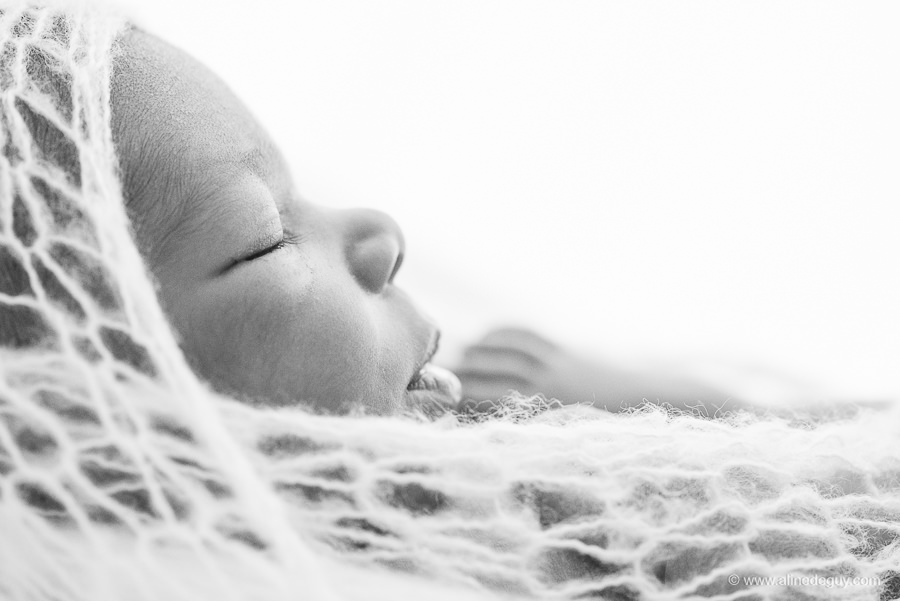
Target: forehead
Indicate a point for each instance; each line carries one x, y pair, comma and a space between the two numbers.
184, 140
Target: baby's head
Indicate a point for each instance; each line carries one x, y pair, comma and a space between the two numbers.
275, 299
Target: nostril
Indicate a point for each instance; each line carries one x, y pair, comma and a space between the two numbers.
374, 261
374, 247
397, 263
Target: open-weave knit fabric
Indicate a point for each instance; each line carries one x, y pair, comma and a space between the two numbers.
123, 477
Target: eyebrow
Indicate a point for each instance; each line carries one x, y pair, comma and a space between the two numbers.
259, 159
254, 160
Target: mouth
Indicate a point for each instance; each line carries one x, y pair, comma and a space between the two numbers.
432, 383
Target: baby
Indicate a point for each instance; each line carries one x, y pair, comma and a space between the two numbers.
279, 301
276, 300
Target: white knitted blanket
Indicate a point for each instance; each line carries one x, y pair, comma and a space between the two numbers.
123, 477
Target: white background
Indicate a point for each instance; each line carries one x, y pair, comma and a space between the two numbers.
709, 186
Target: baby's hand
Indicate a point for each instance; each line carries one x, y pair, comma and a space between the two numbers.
521, 360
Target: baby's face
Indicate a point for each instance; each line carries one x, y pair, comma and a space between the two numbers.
275, 299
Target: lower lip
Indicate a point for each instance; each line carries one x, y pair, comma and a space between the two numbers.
434, 387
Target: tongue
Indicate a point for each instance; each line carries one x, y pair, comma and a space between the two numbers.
443, 380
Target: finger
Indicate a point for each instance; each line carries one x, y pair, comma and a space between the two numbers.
499, 359
490, 393
491, 386
521, 338
477, 377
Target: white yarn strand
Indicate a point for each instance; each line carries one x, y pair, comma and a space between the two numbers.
123, 476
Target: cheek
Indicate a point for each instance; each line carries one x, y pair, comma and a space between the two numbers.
285, 331
330, 348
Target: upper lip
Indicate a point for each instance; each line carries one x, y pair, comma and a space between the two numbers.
430, 351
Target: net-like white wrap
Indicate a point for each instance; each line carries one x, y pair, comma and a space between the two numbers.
123, 477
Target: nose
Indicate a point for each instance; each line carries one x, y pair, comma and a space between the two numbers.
374, 247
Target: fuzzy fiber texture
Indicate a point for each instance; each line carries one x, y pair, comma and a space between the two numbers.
123, 476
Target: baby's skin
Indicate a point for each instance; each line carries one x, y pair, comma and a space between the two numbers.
519, 359
280, 301
275, 299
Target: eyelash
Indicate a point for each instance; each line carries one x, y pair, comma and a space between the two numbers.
287, 238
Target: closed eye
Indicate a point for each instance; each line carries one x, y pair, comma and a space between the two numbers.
287, 239
263, 252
